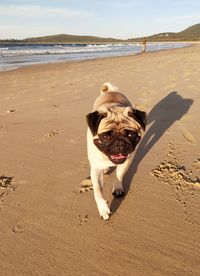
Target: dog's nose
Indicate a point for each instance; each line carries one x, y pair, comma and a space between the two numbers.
119, 144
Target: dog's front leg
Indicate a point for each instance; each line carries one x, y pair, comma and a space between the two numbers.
118, 189
97, 181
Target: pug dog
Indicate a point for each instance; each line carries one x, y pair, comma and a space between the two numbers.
114, 130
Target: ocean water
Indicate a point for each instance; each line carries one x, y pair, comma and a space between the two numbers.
14, 56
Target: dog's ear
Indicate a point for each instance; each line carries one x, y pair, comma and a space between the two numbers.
93, 121
139, 116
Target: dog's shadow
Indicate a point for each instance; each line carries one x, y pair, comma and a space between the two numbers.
160, 118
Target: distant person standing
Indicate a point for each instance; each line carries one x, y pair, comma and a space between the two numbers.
144, 45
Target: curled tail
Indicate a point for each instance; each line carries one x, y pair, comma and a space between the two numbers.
108, 87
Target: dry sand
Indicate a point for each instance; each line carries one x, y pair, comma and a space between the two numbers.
48, 225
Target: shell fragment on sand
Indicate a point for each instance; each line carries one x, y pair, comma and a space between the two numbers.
86, 183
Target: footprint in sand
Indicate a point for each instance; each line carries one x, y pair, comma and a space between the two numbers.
82, 220
183, 182
27, 223
8, 185
49, 135
18, 228
188, 136
52, 133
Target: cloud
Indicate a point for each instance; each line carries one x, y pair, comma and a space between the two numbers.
20, 32
34, 11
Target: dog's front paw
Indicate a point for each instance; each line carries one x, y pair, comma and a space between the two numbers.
118, 190
103, 208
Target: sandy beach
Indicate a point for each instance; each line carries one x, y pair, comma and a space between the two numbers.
49, 224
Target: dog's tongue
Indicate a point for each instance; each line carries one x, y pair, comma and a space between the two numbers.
118, 156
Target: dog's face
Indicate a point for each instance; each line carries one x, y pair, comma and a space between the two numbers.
116, 131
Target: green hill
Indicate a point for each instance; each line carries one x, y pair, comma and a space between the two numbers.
64, 38
192, 33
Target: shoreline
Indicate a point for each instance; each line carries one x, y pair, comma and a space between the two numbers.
79, 59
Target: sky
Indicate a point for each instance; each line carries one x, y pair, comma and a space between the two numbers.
105, 18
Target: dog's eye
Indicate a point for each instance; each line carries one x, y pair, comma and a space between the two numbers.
131, 134
107, 135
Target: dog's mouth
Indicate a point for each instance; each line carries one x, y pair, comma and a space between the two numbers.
118, 158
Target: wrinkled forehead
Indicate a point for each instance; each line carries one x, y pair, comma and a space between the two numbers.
118, 118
